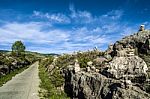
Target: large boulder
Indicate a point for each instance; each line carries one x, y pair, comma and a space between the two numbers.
132, 67
99, 61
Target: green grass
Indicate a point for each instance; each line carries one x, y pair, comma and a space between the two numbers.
48, 89
5, 78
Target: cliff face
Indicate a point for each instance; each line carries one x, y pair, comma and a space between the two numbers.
117, 82
123, 77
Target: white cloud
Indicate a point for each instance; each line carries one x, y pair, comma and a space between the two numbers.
147, 24
74, 16
55, 17
31, 33
114, 14
80, 16
36, 13
128, 31
111, 27
97, 30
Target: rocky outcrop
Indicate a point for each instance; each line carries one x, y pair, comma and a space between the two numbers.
85, 85
118, 80
135, 41
122, 78
131, 67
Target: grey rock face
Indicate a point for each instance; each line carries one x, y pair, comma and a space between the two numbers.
136, 41
84, 85
132, 67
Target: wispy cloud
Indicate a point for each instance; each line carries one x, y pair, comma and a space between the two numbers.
114, 15
80, 16
56, 17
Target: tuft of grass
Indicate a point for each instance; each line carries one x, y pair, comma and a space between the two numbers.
5, 78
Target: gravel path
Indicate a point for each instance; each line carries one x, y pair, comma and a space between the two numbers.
23, 85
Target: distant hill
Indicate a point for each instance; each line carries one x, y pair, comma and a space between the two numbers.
4, 51
33, 53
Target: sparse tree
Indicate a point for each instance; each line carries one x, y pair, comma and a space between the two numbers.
18, 48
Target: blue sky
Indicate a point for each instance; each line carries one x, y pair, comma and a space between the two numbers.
64, 26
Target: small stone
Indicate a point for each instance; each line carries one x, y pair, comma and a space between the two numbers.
89, 63
88, 69
142, 28
93, 68
76, 66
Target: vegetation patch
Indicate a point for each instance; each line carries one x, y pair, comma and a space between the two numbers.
50, 85
52, 81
